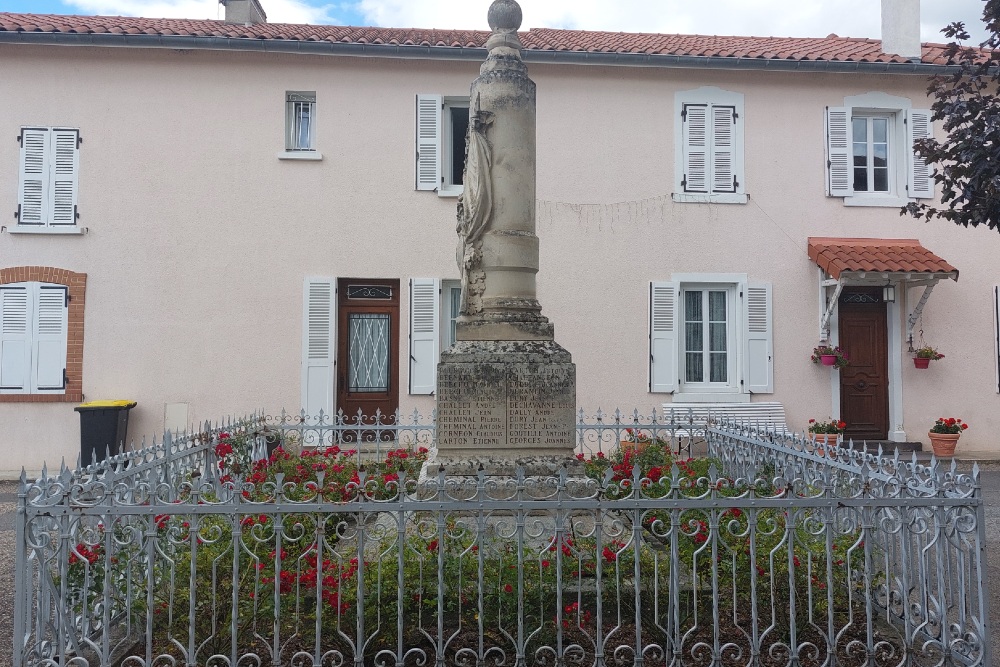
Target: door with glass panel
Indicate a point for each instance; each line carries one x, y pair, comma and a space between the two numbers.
709, 340
368, 350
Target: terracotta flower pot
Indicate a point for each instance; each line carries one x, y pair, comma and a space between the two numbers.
921, 362
943, 444
637, 447
825, 443
828, 359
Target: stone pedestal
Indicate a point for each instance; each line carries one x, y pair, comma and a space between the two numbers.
504, 405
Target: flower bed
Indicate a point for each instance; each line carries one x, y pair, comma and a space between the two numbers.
312, 554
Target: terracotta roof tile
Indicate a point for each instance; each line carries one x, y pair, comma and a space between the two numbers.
837, 255
831, 48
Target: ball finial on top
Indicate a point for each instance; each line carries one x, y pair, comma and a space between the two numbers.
505, 16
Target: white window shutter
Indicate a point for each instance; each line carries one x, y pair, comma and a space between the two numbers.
996, 330
429, 141
920, 184
663, 372
838, 152
51, 324
15, 337
759, 356
696, 148
318, 346
425, 315
723, 149
33, 180
65, 161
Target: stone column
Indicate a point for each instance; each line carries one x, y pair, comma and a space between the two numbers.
506, 390
499, 253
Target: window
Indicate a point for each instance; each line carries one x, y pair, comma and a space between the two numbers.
300, 127
442, 126
451, 306
48, 181
870, 142
710, 337
870, 159
300, 121
41, 334
996, 330
709, 143
34, 324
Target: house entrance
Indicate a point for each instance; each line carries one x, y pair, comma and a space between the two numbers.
368, 348
864, 383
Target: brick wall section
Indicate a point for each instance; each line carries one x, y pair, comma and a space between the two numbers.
77, 284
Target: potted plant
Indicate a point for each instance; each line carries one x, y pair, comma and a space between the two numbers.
944, 435
829, 356
826, 432
635, 441
922, 357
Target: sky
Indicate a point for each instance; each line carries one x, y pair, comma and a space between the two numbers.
779, 18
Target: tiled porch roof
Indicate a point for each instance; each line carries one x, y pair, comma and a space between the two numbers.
793, 49
839, 255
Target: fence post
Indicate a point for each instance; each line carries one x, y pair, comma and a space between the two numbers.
984, 597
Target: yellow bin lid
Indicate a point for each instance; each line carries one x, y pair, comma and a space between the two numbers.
108, 404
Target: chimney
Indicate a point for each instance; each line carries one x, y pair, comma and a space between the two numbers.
901, 28
244, 11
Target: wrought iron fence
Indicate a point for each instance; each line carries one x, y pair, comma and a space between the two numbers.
773, 552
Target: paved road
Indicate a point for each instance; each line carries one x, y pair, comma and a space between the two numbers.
8, 499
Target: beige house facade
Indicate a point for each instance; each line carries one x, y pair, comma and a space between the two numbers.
213, 218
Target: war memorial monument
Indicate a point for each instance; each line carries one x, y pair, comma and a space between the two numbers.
506, 394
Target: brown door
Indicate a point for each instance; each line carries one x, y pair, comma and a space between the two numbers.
864, 383
367, 348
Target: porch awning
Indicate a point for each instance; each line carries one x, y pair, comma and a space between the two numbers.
903, 258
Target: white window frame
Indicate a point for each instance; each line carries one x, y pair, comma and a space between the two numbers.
436, 138
449, 311
69, 182
902, 162
750, 313
32, 340
891, 149
732, 344
996, 332
293, 150
710, 97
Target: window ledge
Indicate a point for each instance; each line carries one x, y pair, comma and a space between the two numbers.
41, 229
450, 191
728, 198
315, 156
681, 397
875, 201
75, 397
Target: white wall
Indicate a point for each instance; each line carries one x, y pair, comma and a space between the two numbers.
199, 237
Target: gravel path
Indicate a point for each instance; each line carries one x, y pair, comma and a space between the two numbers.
8, 502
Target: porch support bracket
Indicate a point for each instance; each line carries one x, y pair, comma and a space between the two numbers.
918, 310
824, 322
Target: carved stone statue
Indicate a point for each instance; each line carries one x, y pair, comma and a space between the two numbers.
475, 209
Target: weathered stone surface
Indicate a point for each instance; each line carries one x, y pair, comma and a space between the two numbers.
505, 404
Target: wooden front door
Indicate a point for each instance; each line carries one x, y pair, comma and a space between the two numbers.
367, 348
864, 383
